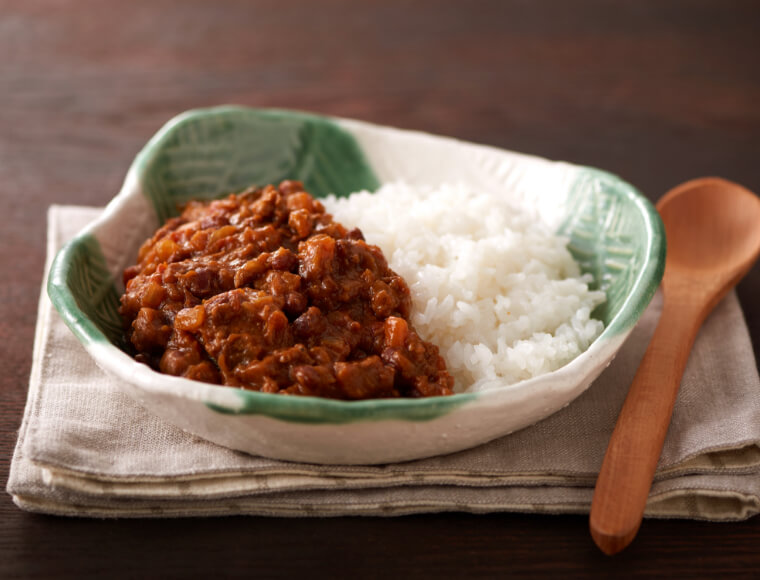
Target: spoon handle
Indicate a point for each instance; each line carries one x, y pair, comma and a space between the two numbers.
634, 450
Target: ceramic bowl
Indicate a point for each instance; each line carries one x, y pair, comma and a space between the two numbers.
615, 234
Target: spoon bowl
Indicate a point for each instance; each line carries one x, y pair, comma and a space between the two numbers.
712, 228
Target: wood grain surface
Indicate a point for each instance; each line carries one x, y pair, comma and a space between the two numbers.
657, 92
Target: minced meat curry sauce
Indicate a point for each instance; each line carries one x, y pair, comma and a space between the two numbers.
264, 291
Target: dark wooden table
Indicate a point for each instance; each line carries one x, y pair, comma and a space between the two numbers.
657, 92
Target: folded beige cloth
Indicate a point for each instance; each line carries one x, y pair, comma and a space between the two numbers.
87, 449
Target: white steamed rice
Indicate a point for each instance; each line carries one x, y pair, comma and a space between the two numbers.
497, 291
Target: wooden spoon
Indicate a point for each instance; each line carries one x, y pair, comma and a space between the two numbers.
713, 236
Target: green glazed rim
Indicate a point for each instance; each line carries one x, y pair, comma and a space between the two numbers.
328, 159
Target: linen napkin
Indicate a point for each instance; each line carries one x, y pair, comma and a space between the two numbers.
87, 449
